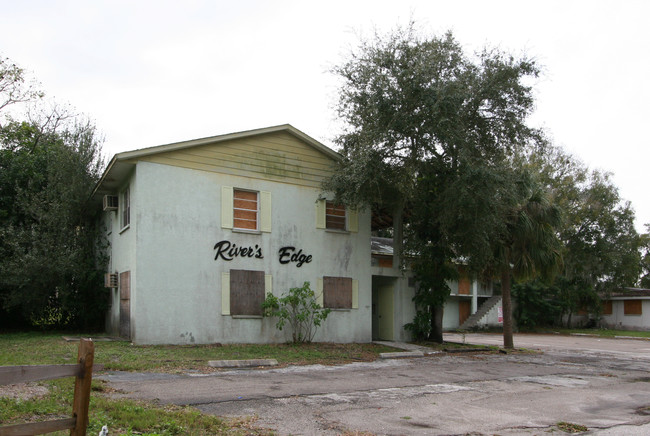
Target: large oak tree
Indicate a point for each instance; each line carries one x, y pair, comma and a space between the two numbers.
431, 130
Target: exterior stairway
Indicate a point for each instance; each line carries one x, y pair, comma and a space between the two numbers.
475, 318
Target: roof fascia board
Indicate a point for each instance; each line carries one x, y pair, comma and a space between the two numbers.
228, 137
104, 175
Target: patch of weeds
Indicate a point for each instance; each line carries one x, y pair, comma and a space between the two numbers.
642, 379
122, 416
406, 417
569, 427
644, 410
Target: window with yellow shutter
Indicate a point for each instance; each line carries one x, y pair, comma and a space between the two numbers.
245, 210
334, 216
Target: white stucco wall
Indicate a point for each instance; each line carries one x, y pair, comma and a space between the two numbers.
619, 320
176, 291
122, 252
450, 315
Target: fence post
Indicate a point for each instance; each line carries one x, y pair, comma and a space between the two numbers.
82, 387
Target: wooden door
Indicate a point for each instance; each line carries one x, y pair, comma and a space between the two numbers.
125, 305
464, 311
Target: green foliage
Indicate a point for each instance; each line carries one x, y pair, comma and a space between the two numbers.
537, 305
299, 310
577, 295
644, 280
49, 274
602, 247
429, 131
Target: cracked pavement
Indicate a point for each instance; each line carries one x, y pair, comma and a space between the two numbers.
606, 390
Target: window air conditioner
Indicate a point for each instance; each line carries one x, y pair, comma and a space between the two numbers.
110, 280
110, 202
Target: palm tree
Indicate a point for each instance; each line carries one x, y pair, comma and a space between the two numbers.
529, 246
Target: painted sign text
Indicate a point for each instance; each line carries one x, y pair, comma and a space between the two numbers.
228, 251
289, 254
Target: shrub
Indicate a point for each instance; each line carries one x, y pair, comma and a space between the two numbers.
299, 309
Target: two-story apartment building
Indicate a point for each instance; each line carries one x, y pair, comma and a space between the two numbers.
199, 231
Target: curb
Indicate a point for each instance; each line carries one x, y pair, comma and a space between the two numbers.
250, 363
400, 354
638, 338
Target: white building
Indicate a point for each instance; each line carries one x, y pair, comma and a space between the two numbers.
628, 309
199, 231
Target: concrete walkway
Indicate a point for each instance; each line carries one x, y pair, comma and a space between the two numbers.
410, 350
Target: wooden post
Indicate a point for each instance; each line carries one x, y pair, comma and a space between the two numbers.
82, 387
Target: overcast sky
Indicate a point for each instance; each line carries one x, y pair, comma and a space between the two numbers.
156, 72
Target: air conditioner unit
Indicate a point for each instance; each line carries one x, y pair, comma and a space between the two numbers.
110, 280
110, 202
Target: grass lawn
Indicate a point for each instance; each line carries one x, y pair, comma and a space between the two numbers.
50, 348
135, 417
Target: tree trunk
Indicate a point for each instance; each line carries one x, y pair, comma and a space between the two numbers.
507, 309
436, 324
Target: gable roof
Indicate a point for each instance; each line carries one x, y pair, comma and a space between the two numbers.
123, 163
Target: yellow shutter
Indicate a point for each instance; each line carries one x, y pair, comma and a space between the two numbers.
225, 293
319, 291
265, 211
226, 207
355, 294
320, 214
353, 220
268, 284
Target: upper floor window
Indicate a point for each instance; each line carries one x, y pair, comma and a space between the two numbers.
332, 216
335, 216
125, 216
245, 209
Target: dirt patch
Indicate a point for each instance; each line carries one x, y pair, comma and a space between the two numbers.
23, 391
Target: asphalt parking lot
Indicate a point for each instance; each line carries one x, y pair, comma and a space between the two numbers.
601, 385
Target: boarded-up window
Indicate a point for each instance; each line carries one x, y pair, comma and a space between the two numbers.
464, 311
463, 281
583, 311
607, 307
334, 216
245, 209
246, 292
386, 262
337, 292
632, 307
